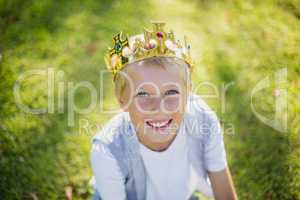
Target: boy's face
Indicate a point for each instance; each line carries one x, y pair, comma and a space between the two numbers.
156, 99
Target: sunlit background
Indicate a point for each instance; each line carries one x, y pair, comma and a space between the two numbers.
235, 43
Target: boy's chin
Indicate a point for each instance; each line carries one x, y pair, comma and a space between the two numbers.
160, 136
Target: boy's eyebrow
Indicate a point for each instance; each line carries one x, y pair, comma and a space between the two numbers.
141, 90
170, 87
165, 87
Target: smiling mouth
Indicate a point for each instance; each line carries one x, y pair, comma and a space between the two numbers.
161, 124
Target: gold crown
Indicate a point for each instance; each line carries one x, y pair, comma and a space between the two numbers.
149, 44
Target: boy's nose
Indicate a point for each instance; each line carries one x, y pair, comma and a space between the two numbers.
151, 104
155, 105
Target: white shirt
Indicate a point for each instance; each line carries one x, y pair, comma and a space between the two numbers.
167, 171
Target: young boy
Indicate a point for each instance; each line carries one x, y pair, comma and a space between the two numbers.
167, 140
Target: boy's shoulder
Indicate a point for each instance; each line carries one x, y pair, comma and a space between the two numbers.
197, 108
114, 129
199, 117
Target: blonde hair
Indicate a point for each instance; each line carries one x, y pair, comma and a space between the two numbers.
164, 62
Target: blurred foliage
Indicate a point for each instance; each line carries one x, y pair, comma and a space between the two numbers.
233, 41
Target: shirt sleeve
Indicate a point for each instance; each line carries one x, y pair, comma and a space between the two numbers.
109, 180
214, 150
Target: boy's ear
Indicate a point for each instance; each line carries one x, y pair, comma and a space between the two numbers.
123, 103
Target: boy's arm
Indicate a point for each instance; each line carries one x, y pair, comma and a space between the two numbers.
107, 173
216, 162
222, 185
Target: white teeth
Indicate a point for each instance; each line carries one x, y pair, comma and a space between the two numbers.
159, 124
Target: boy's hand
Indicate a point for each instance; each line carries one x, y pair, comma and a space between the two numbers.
222, 185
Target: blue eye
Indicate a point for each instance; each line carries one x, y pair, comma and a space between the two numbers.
171, 92
142, 94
